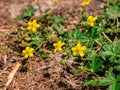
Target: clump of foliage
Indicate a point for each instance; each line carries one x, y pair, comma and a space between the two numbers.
95, 40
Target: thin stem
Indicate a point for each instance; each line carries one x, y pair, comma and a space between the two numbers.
106, 37
98, 42
117, 22
38, 47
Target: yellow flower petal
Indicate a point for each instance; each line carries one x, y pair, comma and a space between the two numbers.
81, 53
78, 44
83, 48
37, 25
26, 56
31, 49
91, 24
53, 1
31, 54
33, 25
78, 50
28, 28
35, 1
29, 23
59, 42
55, 50
95, 18
28, 52
58, 46
27, 48
23, 52
85, 2
54, 44
59, 49
91, 20
74, 53
73, 48
34, 29
34, 21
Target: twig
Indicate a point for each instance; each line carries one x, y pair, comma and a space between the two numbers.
5, 59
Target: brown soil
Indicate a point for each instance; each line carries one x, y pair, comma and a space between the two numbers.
38, 73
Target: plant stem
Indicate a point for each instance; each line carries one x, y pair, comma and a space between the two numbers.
98, 42
117, 22
38, 47
106, 37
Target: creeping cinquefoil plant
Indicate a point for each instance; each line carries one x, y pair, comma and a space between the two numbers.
95, 41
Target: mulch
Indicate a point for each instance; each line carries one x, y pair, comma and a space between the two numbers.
37, 73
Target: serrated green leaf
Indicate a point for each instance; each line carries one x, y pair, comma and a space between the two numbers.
106, 53
113, 12
104, 81
114, 86
110, 51
109, 79
29, 12
110, 75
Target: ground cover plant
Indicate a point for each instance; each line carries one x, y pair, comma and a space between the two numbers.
95, 41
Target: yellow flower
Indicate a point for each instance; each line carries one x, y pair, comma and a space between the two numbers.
33, 25
28, 52
35, 1
85, 2
53, 1
91, 20
78, 50
58, 46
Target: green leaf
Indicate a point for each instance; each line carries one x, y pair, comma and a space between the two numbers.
90, 82
58, 29
75, 35
118, 78
19, 18
94, 33
115, 49
117, 67
109, 51
110, 80
110, 75
95, 64
29, 12
56, 20
114, 86
76, 73
104, 81
113, 12
36, 42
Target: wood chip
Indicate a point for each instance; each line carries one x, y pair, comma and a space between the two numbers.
11, 75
